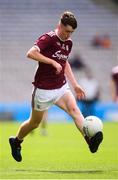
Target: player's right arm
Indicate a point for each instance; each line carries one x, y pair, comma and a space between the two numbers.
34, 53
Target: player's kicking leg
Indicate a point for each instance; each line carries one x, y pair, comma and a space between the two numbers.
24, 130
68, 103
94, 141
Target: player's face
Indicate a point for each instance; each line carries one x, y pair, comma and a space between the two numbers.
65, 31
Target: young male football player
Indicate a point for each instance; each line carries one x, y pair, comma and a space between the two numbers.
51, 51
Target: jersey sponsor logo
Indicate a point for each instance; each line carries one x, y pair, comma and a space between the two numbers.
60, 56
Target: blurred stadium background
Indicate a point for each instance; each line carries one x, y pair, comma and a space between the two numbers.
23, 21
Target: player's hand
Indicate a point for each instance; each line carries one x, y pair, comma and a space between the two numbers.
57, 66
79, 92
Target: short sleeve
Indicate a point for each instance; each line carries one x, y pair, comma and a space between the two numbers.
43, 42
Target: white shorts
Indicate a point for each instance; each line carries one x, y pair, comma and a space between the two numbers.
43, 99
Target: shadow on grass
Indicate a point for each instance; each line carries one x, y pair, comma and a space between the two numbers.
62, 171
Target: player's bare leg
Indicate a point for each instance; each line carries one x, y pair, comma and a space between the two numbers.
24, 130
68, 103
29, 125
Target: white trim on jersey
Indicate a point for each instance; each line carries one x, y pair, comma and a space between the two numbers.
37, 47
51, 33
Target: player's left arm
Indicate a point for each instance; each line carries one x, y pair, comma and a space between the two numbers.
70, 76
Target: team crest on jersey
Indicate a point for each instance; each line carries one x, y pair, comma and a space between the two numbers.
67, 48
63, 47
58, 43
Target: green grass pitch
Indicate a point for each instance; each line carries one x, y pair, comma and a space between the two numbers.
62, 154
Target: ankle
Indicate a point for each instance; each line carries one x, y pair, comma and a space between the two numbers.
18, 140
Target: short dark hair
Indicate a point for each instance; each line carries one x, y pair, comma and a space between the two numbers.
68, 18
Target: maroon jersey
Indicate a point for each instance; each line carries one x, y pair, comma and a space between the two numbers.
115, 77
52, 47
